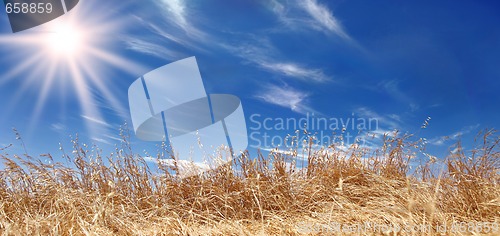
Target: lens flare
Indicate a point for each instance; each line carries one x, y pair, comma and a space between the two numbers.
68, 56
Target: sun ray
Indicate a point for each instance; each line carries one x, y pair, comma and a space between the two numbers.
67, 57
115, 60
103, 88
84, 97
42, 96
21, 92
20, 68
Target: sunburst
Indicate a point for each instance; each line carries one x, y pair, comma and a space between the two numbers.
68, 54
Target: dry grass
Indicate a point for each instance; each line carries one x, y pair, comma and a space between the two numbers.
119, 195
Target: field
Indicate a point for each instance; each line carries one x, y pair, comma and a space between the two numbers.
341, 191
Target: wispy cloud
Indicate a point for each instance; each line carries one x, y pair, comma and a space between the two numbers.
146, 47
96, 121
106, 138
295, 70
175, 27
324, 17
439, 141
101, 140
265, 56
177, 12
185, 168
180, 18
393, 89
176, 9
389, 120
58, 127
107, 104
285, 96
278, 8
379, 133
113, 137
307, 14
297, 152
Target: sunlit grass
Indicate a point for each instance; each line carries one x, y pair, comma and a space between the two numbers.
120, 194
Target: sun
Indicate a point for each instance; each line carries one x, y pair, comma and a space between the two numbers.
71, 55
65, 39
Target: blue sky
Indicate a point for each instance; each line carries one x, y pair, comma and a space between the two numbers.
398, 62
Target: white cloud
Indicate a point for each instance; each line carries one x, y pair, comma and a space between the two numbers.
266, 57
307, 14
177, 9
96, 121
258, 50
395, 117
153, 49
299, 153
286, 97
58, 127
455, 150
106, 139
439, 141
392, 88
296, 71
184, 168
176, 12
178, 39
379, 133
100, 140
388, 120
277, 7
113, 137
414, 107
324, 17
175, 27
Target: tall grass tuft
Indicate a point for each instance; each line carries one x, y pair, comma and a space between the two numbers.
120, 194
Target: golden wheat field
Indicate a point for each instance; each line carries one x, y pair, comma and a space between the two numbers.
341, 192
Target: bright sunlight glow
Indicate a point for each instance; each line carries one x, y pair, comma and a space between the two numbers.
65, 39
